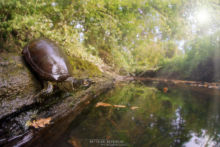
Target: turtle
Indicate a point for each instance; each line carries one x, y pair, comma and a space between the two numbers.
50, 64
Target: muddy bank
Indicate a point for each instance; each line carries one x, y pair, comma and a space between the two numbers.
205, 73
201, 87
19, 109
211, 85
17, 84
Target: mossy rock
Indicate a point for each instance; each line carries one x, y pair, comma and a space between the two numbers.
82, 68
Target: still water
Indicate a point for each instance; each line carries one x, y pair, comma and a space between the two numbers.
142, 115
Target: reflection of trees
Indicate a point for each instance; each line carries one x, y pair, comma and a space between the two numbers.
200, 115
179, 133
214, 119
161, 120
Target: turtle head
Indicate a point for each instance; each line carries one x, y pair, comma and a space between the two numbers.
85, 83
79, 83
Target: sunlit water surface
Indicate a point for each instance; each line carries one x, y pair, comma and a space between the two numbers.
141, 115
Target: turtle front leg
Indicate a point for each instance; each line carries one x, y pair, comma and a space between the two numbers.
48, 89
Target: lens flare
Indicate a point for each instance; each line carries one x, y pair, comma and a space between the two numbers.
202, 16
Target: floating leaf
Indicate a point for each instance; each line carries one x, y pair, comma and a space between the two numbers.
165, 89
109, 105
134, 107
119, 106
103, 104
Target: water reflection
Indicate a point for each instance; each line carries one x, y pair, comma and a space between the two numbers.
200, 140
179, 117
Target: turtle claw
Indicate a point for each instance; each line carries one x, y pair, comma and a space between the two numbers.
47, 91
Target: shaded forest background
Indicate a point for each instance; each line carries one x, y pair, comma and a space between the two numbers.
128, 36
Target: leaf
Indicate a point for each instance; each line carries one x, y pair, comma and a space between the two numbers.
119, 106
103, 104
165, 89
109, 105
40, 123
75, 142
134, 107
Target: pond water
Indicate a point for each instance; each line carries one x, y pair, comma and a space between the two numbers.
141, 115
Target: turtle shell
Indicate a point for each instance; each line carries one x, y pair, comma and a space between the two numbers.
47, 60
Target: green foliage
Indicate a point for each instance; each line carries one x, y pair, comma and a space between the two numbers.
118, 32
127, 35
201, 60
23, 21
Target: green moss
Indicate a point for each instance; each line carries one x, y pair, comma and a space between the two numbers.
83, 68
22, 27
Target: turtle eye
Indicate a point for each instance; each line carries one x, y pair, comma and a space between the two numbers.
85, 82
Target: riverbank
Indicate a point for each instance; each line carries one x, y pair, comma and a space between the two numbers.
201, 84
22, 118
16, 131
